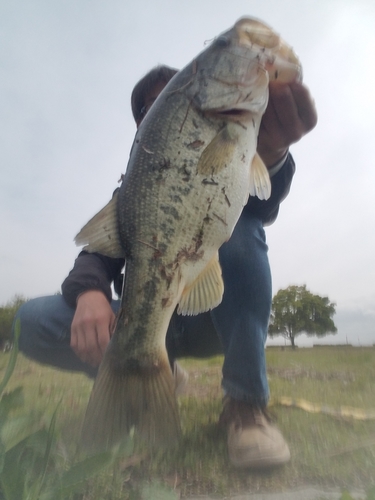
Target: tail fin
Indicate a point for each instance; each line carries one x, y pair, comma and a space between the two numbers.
143, 399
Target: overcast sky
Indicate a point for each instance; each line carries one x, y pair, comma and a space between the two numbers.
67, 71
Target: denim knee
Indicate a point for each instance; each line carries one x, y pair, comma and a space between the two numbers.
45, 322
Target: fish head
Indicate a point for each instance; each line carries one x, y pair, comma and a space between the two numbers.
278, 58
232, 74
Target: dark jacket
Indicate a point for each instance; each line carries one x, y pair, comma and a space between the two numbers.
97, 272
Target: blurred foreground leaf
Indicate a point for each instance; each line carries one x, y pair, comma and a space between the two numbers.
74, 478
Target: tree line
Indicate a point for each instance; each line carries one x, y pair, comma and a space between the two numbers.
7, 313
295, 310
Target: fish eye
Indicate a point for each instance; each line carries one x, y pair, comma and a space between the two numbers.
222, 41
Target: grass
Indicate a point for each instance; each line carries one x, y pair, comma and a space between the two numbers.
326, 451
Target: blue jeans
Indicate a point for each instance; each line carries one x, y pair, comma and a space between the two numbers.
237, 327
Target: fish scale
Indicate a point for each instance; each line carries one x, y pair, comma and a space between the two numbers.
192, 167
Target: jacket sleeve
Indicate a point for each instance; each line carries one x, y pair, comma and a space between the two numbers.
267, 210
91, 271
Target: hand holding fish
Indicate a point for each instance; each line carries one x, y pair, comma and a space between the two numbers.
290, 114
91, 327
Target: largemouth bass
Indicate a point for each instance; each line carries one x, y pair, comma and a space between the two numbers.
192, 167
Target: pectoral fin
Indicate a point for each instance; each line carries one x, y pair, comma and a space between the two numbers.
100, 234
260, 184
219, 152
206, 291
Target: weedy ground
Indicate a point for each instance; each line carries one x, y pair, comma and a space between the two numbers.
326, 451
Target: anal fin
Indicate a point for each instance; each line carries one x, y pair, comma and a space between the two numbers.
206, 291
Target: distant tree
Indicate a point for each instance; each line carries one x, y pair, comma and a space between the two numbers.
295, 310
7, 313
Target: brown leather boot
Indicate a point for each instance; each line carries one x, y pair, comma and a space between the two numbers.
252, 440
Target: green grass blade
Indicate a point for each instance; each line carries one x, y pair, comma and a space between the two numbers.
50, 439
13, 357
2, 457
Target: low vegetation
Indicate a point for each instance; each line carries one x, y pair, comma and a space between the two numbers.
328, 451
7, 313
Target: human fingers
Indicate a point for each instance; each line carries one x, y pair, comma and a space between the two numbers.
305, 105
89, 342
96, 340
78, 340
293, 111
92, 338
273, 142
90, 331
103, 336
290, 114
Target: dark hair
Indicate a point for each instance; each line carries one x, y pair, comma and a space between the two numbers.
159, 74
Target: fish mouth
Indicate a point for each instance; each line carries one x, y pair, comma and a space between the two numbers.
231, 113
